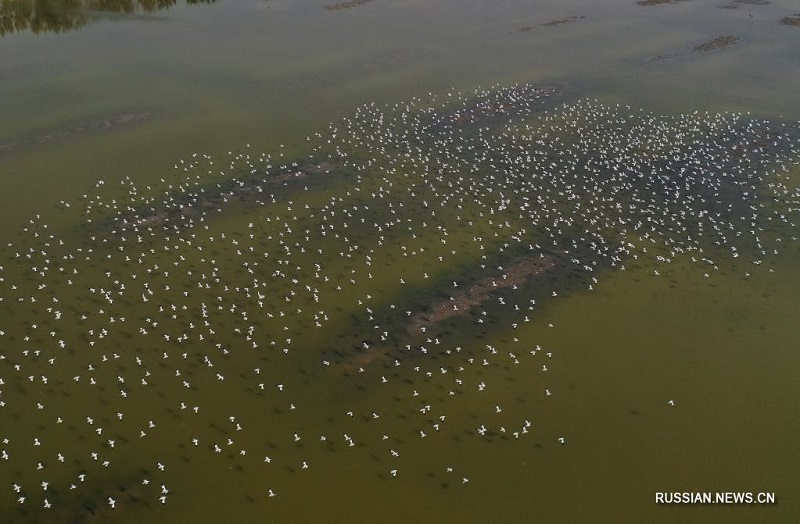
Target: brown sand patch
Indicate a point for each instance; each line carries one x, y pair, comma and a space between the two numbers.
104, 124
568, 20
346, 5
361, 360
458, 304
658, 2
716, 43
214, 198
316, 169
461, 303
554, 23
791, 20
738, 3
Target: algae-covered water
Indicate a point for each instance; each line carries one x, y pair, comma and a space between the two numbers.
274, 261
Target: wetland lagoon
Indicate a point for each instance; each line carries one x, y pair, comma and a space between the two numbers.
399, 261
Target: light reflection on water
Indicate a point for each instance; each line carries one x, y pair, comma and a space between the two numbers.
619, 353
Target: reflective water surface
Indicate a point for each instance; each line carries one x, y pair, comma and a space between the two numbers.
412, 261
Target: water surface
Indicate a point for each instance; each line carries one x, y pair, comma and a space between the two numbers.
133, 94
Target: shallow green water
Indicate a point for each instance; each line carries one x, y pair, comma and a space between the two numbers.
129, 96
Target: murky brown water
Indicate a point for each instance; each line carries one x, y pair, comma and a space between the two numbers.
109, 95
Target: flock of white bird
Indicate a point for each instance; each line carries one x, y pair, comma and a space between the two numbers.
262, 317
